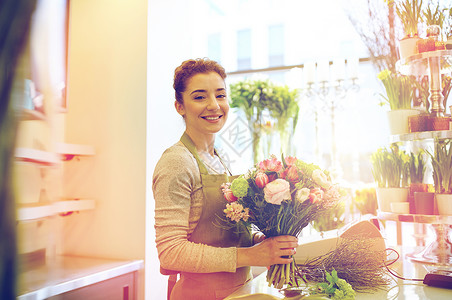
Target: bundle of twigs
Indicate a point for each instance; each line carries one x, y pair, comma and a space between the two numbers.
354, 260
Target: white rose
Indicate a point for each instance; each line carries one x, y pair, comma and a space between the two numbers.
320, 178
302, 195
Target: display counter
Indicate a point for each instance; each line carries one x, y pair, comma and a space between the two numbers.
398, 289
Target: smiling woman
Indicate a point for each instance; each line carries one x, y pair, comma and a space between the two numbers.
212, 261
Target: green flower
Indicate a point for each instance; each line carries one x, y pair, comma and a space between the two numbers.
345, 288
239, 187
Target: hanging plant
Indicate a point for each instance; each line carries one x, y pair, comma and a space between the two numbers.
254, 97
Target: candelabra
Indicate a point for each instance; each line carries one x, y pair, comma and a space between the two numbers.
331, 94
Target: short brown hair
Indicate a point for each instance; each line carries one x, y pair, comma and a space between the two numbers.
190, 68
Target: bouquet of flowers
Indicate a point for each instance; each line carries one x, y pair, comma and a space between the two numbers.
279, 198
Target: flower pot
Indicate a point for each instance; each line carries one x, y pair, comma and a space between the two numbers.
418, 123
439, 123
408, 47
400, 207
415, 187
444, 204
424, 203
398, 120
386, 196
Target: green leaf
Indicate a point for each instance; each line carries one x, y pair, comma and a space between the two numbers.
329, 277
334, 275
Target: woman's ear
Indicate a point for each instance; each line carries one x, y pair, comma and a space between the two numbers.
180, 108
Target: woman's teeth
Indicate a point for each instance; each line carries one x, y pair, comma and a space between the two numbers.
211, 118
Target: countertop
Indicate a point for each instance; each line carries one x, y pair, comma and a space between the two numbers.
399, 289
65, 273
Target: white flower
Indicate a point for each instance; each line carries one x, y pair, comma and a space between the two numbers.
302, 195
321, 179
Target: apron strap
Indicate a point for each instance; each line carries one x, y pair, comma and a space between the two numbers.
187, 141
224, 165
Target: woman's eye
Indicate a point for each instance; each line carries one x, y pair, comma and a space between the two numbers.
199, 97
221, 96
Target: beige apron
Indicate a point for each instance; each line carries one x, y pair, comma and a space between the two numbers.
210, 286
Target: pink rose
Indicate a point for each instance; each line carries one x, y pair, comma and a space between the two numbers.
277, 191
261, 179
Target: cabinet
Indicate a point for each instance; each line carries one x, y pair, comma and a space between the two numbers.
117, 288
72, 277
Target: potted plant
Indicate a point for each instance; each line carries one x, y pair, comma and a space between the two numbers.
399, 94
442, 175
416, 173
435, 19
390, 171
365, 201
284, 109
410, 15
247, 96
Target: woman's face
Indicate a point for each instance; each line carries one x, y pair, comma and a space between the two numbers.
205, 108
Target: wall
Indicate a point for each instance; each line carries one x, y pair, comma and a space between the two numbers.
107, 109
169, 43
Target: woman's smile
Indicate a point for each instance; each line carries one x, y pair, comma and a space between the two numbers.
212, 118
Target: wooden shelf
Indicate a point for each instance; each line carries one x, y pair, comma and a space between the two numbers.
34, 211
63, 152
36, 156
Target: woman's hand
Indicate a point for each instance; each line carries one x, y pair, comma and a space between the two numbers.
268, 252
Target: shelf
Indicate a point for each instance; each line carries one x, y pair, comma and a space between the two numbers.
30, 114
415, 218
422, 135
418, 64
63, 152
36, 211
36, 156
68, 151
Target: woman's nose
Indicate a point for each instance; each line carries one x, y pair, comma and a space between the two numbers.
213, 103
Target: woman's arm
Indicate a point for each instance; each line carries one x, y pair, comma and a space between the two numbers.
178, 203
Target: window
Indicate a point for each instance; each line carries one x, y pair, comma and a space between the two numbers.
244, 49
276, 45
214, 47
